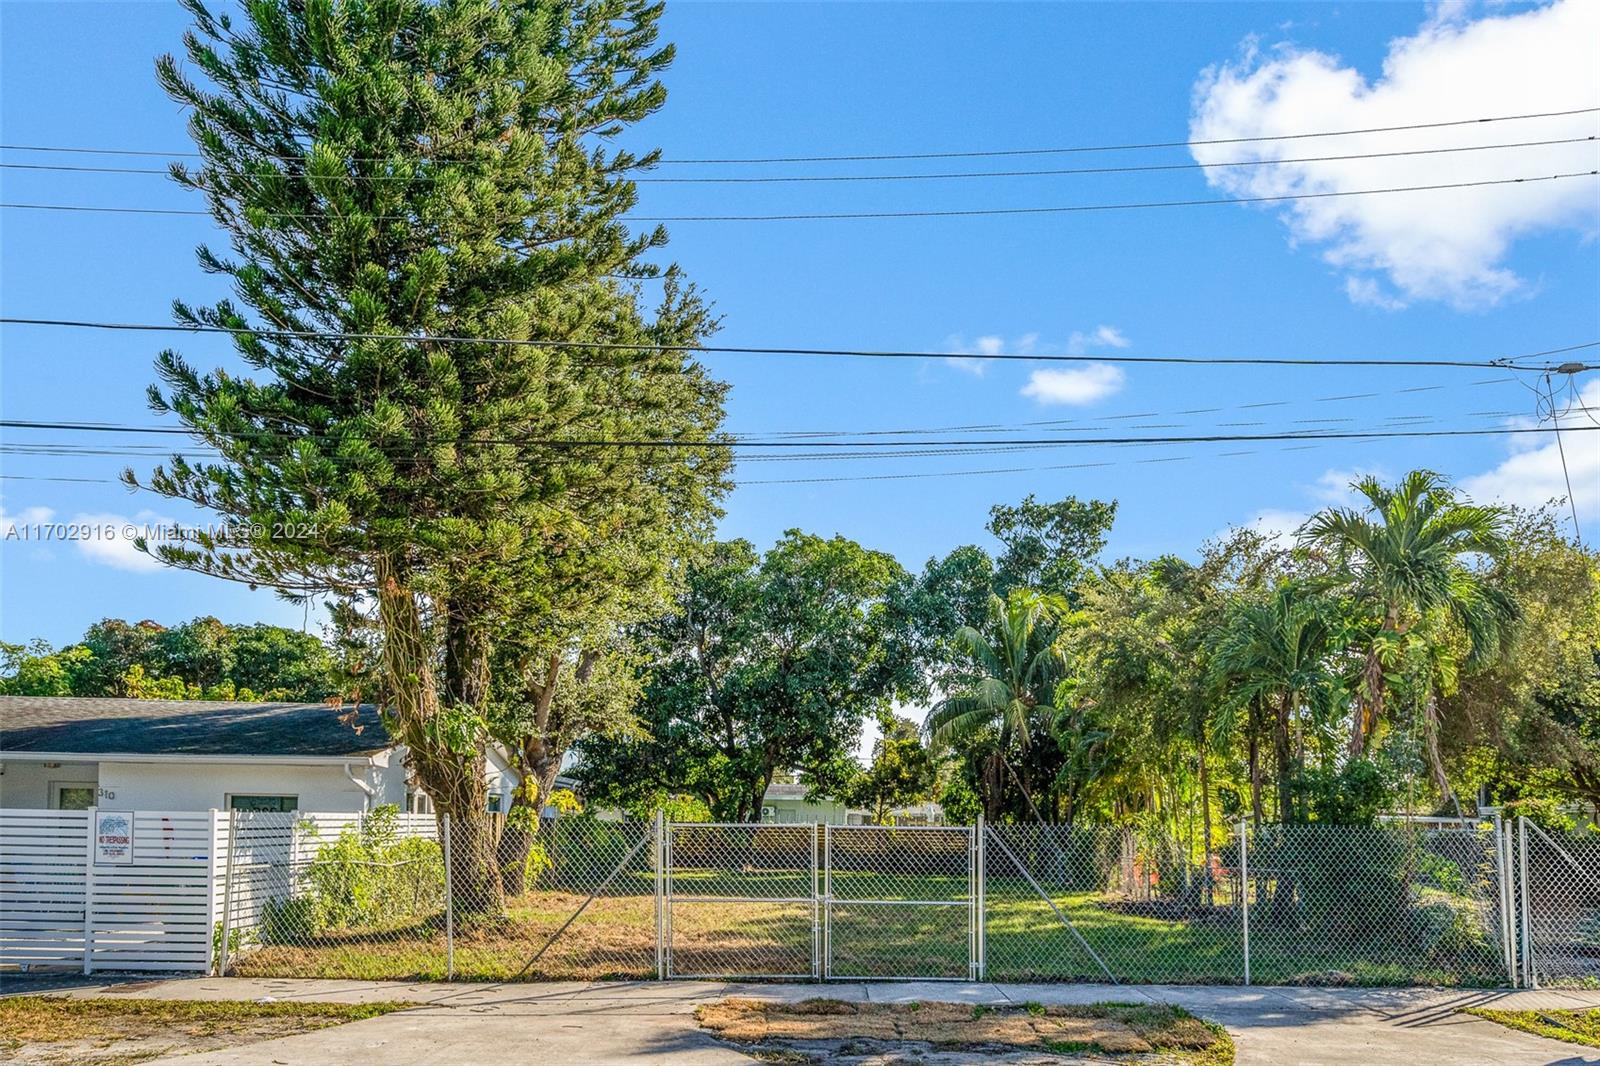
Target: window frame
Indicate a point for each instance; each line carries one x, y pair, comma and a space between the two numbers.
229, 798
57, 786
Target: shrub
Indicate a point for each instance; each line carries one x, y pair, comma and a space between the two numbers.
369, 876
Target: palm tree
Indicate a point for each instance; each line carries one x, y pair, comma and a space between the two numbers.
1280, 655
1019, 664
1405, 561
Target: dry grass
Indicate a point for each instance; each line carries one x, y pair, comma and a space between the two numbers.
1108, 1028
113, 1032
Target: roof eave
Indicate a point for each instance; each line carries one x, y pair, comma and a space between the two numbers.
369, 757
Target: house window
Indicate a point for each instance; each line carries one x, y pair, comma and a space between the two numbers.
263, 803
73, 797
418, 803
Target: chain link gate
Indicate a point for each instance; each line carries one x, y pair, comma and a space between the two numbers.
740, 901
902, 902
818, 902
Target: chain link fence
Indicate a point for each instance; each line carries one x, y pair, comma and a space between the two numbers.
1560, 881
583, 898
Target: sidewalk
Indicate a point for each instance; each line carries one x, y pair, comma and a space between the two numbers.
649, 1022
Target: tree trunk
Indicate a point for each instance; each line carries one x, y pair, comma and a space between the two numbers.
992, 780
1430, 736
1369, 702
1280, 752
1255, 761
538, 764
1205, 821
454, 781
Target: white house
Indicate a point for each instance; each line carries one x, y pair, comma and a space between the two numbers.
176, 755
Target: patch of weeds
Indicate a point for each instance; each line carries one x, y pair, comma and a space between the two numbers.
893, 1031
54, 1018
1573, 1026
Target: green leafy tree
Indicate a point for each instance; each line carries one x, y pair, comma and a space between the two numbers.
1282, 655
1527, 724
769, 663
901, 771
36, 669
1019, 664
388, 175
1405, 560
1047, 546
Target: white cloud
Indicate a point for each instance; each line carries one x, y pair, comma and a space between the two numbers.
1100, 337
1531, 476
1368, 293
1080, 385
1278, 526
983, 346
1332, 488
110, 539
1335, 487
28, 516
1446, 245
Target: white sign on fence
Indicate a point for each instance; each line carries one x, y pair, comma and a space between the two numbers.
113, 837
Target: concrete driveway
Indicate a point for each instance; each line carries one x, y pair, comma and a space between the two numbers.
649, 1022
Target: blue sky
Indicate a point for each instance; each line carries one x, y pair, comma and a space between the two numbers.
1471, 273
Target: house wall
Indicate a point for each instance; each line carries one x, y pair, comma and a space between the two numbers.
27, 784
196, 786
798, 811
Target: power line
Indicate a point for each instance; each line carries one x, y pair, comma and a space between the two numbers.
100, 427
875, 451
1138, 147
1500, 363
834, 216
1562, 450
780, 179
1482, 120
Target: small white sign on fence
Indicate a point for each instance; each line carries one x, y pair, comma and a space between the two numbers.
113, 837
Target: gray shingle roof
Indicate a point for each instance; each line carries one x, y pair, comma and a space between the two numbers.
186, 727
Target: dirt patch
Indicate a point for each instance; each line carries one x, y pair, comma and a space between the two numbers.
50, 1030
834, 1031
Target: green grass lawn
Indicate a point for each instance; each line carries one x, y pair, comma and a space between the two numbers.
1573, 1026
615, 938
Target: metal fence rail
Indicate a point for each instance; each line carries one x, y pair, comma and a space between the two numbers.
582, 898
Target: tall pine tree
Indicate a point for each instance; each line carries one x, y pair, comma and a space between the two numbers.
406, 171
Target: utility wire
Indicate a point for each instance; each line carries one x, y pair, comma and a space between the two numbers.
858, 215
1210, 438
1079, 208
1483, 120
1500, 363
1562, 450
780, 179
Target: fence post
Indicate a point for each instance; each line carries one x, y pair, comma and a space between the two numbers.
816, 907
1507, 937
983, 892
1529, 977
211, 893
227, 894
660, 864
449, 904
1244, 892
88, 892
